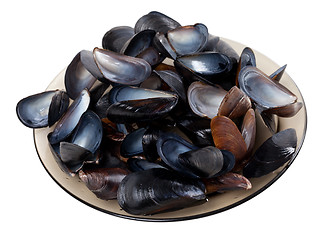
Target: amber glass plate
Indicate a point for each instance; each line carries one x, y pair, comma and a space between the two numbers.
216, 203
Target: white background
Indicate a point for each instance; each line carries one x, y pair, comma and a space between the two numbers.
39, 38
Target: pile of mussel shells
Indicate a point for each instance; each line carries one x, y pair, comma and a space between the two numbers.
163, 136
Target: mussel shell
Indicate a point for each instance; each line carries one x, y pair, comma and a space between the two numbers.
262, 90
132, 143
234, 104
153, 82
116, 37
152, 56
204, 100
141, 110
138, 43
248, 129
42, 109
70, 119
120, 68
174, 81
212, 42
226, 182
276, 75
103, 182
136, 164
74, 155
169, 147
226, 136
224, 48
272, 154
149, 140
286, 111
155, 21
203, 162
158, 190
197, 130
162, 44
188, 39
89, 131
78, 76
209, 67
127, 93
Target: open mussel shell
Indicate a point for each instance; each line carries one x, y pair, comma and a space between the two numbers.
78, 75
159, 190
116, 37
42, 109
272, 154
74, 155
120, 68
103, 182
226, 136
263, 90
141, 110
204, 100
70, 119
162, 44
126, 93
156, 21
212, 67
286, 111
89, 132
224, 48
188, 39
138, 43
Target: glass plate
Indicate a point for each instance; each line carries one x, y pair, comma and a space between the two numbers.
216, 203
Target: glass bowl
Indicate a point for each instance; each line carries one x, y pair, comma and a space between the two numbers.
216, 203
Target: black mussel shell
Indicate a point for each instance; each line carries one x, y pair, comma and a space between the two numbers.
42, 109
70, 119
132, 143
211, 44
209, 67
174, 81
138, 43
156, 21
158, 190
149, 140
154, 82
169, 147
224, 48
136, 164
116, 37
140, 110
152, 56
272, 154
198, 130
103, 182
161, 43
79, 73
74, 155
203, 162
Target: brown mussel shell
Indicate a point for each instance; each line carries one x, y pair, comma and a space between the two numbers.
226, 136
103, 182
